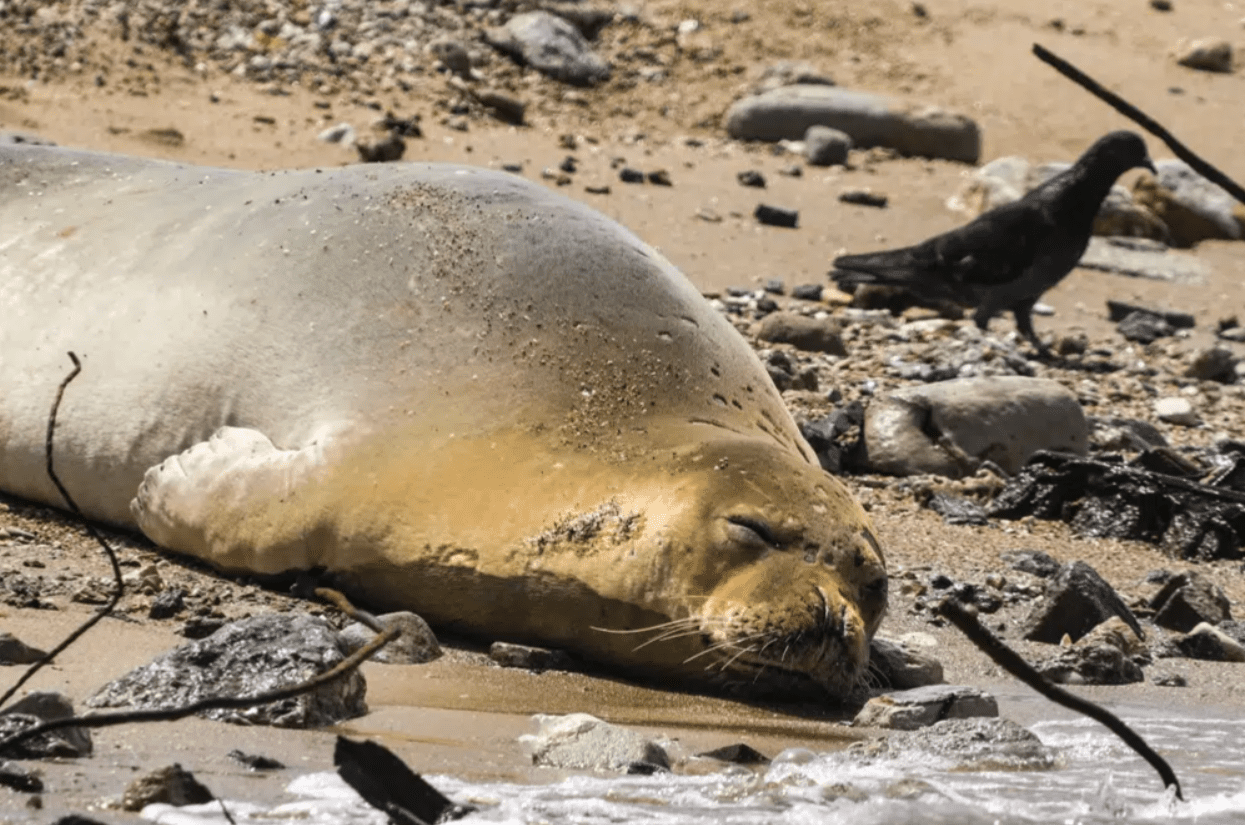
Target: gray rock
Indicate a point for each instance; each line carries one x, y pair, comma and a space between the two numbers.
552, 46
974, 744
1144, 327
172, 785
1176, 409
1189, 599
790, 73
1091, 664
787, 113
416, 646
341, 133
824, 146
245, 658
1076, 601
1208, 54
1192, 208
901, 666
33, 709
1213, 364
1116, 434
1033, 562
529, 658
802, 332
1207, 642
14, 651
949, 427
918, 707
10, 138
1119, 310
583, 742
1131, 256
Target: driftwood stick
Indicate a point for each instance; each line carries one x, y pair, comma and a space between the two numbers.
102, 720
966, 620
118, 591
1141, 119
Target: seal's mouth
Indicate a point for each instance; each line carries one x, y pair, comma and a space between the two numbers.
818, 638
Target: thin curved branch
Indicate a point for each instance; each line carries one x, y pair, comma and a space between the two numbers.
118, 592
103, 720
966, 620
1141, 119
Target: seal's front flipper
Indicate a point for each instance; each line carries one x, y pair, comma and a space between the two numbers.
236, 501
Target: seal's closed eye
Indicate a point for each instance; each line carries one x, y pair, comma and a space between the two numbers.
751, 531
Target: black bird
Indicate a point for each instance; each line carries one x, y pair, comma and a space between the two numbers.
1007, 257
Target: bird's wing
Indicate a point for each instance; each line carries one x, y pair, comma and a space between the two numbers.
993, 249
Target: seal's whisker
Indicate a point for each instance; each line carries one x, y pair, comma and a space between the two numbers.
744, 645
659, 626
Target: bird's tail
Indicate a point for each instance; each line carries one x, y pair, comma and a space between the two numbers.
883, 268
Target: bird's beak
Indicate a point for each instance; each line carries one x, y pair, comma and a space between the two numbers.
1149, 164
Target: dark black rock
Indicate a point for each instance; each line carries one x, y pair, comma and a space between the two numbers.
1076, 601
168, 604
777, 216
569, 165
1187, 600
1091, 664
751, 177
940, 581
1119, 311
1109, 499
1033, 562
388, 785
957, 509
659, 177
530, 658
255, 762
807, 292
21, 780
629, 175
739, 754
1170, 680
645, 769
385, 150
1144, 327
246, 658
200, 627
774, 286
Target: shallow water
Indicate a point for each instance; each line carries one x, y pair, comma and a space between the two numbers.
1098, 780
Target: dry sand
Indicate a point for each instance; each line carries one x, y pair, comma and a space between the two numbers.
461, 716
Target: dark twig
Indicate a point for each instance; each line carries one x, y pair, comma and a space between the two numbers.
1141, 119
966, 620
112, 557
102, 720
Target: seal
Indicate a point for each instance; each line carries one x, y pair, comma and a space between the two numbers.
454, 390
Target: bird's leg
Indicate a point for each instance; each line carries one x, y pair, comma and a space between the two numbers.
1024, 325
983, 314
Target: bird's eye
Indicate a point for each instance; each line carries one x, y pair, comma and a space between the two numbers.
751, 531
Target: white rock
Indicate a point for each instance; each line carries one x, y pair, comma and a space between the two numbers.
1176, 410
948, 427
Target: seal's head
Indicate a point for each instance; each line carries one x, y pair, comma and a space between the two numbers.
778, 572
